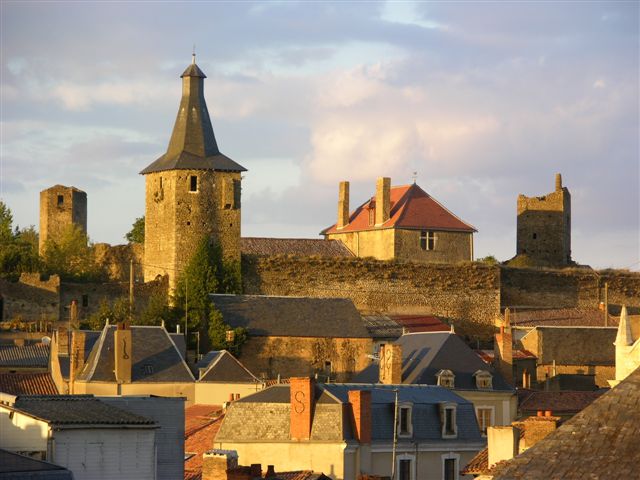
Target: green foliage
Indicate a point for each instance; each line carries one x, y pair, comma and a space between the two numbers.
218, 334
118, 311
136, 234
6, 223
489, 260
156, 312
71, 256
18, 248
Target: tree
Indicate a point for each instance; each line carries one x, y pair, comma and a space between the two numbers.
157, 311
136, 234
18, 248
218, 334
6, 223
111, 313
71, 256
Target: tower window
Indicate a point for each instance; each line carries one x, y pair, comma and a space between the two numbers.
193, 183
85, 300
160, 182
427, 240
60, 200
535, 235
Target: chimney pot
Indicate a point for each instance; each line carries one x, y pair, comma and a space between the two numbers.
547, 413
558, 182
270, 472
302, 391
540, 413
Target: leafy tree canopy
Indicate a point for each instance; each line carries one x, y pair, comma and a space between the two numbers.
71, 256
18, 248
136, 234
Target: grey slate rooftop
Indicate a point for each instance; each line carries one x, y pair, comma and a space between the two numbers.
302, 247
76, 410
34, 355
14, 466
600, 442
425, 354
291, 316
155, 358
266, 414
224, 367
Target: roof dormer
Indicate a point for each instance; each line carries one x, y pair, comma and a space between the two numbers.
446, 378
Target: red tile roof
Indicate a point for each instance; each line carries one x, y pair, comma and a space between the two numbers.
201, 425
411, 208
518, 354
559, 402
27, 384
478, 464
421, 323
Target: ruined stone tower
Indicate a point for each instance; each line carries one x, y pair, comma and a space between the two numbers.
61, 207
544, 226
192, 191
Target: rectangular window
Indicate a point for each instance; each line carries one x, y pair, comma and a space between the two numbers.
404, 469
85, 300
449, 428
427, 240
405, 421
485, 419
450, 469
60, 199
193, 183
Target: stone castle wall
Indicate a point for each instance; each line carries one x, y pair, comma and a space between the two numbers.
450, 247
115, 260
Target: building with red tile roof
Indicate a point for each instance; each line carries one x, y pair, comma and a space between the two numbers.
401, 222
28, 384
201, 425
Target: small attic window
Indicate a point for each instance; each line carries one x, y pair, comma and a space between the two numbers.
484, 380
60, 200
446, 378
147, 369
193, 183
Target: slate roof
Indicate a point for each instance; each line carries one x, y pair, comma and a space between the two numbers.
561, 317
411, 208
291, 316
382, 326
245, 420
303, 247
14, 467
425, 354
518, 354
393, 326
27, 356
599, 442
155, 358
225, 368
559, 402
28, 384
193, 144
77, 410
90, 339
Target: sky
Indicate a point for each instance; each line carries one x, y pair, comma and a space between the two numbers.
482, 100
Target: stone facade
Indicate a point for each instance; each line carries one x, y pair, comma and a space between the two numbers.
544, 226
179, 216
61, 207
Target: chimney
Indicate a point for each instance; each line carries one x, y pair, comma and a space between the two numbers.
302, 403
123, 352
383, 200
215, 464
503, 443
270, 472
503, 352
73, 314
63, 341
558, 182
77, 357
536, 428
391, 364
360, 401
256, 470
526, 379
343, 205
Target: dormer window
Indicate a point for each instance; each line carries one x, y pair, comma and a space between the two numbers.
446, 378
448, 420
405, 422
484, 380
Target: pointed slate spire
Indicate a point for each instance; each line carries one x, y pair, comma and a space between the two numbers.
624, 336
193, 144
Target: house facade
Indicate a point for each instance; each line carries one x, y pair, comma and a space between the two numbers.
403, 223
330, 428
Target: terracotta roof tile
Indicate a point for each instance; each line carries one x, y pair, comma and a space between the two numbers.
201, 425
559, 402
27, 384
411, 208
478, 464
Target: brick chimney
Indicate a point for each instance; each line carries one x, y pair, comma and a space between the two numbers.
123, 352
256, 470
271, 472
503, 350
503, 443
536, 428
215, 464
558, 182
383, 200
77, 357
360, 401
302, 405
63, 341
343, 205
391, 364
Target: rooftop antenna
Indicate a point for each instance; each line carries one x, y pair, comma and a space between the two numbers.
414, 176
193, 55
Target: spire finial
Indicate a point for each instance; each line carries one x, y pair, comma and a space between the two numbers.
193, 55
414, 176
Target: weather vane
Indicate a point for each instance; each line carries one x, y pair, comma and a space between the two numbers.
414, 176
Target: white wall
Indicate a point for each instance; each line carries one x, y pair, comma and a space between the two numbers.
22, 433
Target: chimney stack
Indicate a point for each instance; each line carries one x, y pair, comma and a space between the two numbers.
503, 443
123, 352
503, 351
360, 401
215, 464
383, 200
73, 314
63, 341
77, 357
391, 364
343, 205
536, 428
302, 403
558, 182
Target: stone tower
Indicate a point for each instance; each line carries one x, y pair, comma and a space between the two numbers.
61, 207
192, 191
544, 226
